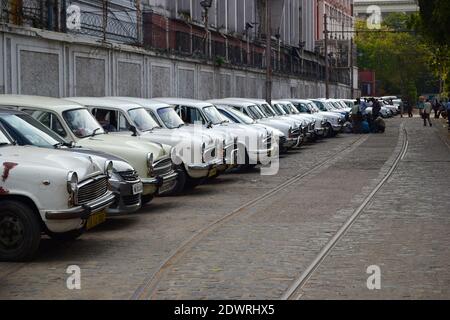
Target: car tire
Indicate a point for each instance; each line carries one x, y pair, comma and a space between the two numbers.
330, 130
66, 236
146, 199
180, 185
20, 221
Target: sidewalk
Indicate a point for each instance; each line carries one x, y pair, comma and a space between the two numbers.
405, 231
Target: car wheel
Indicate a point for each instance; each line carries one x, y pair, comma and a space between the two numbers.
20, 232
66, 236
330, 130
145, 199
180, 184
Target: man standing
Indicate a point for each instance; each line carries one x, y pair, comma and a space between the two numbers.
448, 114
356, 116
427, 112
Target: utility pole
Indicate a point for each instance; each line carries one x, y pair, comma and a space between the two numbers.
105, 17
327, 67
268, 54
139, 21
352, 77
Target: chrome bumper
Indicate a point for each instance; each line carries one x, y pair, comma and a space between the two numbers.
84, 211
126, 201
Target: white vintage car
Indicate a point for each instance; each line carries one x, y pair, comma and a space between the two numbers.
74, 122
167, 118
51, 191
123, 181
337, 118
253, 145
292, 135
286, 108
195, 155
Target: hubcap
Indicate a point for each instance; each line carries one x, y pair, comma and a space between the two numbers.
11, 232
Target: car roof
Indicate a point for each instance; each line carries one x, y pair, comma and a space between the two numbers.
104, 102
233, 101
146, 103
185, 102
301, 100
37, 102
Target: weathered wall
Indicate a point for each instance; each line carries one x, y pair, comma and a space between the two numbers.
53, 64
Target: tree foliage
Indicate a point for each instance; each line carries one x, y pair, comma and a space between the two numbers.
400, 59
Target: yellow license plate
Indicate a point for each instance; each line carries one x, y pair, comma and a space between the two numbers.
212, 173
96, 219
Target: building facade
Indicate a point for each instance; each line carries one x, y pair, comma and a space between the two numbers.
364, 8
166, 42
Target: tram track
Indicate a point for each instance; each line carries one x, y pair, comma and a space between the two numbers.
150, 285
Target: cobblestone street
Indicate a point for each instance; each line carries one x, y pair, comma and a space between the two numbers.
248, 236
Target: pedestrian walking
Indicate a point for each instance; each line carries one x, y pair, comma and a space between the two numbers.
426, 112
436, 108
448, 114
410, 109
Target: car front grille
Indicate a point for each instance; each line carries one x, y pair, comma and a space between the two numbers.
130, 175
162, 167
92, 190
131, 200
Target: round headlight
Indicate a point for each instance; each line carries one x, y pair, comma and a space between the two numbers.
109, 169
150, 163
72, 182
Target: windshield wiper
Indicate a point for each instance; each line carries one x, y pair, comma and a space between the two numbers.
181, 125
94, 132
4, 144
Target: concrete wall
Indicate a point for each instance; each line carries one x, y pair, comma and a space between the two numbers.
52, 64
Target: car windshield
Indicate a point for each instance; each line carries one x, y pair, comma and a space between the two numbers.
82, 123
241, 116
142, 119
320, 105
266, 110
278, 109
170, 118
301, 107
313, 107
27, 131
213, 115
3, 139
255, 112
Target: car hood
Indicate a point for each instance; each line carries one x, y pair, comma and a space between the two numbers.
119, 145
64, 161
119, 164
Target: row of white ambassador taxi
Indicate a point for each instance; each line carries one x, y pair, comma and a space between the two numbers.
68, 163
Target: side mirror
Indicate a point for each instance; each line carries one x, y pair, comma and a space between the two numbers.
209, 124
134, 131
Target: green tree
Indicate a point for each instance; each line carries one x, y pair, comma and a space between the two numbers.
400, 58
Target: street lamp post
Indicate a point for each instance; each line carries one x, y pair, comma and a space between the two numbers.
268, 54
206, 5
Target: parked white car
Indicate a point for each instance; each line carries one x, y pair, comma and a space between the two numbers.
167, 118
123, 180
51, 191
293, 137
75, 123
313, 124
253, 145
195, 155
